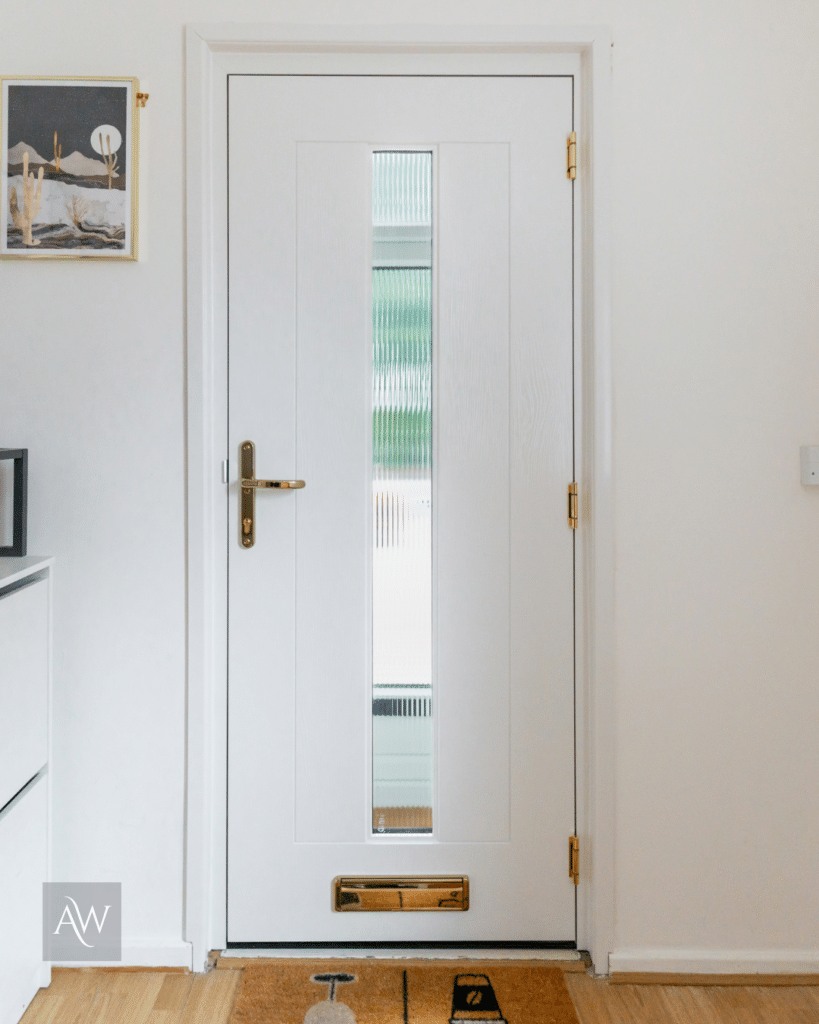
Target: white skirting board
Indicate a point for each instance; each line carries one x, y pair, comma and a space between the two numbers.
144, 953
15, 1002
715, 961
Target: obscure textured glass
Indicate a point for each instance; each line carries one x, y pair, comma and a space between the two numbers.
402, 188
402, 492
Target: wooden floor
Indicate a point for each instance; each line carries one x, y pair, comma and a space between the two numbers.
598, 1002
89, 996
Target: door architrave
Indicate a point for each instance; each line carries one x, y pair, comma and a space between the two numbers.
213, 52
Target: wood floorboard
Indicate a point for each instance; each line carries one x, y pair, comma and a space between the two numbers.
106, 1006
88, 996
171, 999
599, 1002
211, 998
43, 1009
126, 998
65, 1001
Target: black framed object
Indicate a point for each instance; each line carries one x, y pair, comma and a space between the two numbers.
20, 456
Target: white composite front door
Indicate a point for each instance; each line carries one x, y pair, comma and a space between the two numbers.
401, 682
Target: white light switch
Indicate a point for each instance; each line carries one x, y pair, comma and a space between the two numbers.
810, 463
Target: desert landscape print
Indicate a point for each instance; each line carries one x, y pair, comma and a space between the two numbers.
67, 168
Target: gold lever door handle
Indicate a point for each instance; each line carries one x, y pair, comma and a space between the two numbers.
248, 485
285, 485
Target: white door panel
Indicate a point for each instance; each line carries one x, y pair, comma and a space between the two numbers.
473, 506
300, 661
331, 515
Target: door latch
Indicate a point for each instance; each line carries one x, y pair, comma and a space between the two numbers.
248, 485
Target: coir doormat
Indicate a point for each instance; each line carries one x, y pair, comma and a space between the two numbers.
402, 992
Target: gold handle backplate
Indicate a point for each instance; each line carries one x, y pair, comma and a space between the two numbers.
248, 485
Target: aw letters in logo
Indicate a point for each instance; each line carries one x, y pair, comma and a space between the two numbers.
82, 921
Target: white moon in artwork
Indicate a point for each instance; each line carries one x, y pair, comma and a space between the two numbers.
105, 130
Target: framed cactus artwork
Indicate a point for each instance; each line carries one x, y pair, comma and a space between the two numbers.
69, 175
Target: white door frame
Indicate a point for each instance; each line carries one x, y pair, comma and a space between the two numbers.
214, 52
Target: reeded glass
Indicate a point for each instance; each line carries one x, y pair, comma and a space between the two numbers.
402, 493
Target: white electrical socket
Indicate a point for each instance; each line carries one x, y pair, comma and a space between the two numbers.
810, 463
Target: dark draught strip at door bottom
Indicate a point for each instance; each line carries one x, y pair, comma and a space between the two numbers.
402, 819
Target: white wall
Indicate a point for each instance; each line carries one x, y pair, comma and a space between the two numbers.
716, 385
716, 216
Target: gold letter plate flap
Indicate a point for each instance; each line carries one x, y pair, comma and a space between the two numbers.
410, 892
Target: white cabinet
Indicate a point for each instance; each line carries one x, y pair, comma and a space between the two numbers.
24, 860
23, 685
25, 671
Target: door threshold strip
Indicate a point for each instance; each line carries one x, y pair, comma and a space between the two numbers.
368, 952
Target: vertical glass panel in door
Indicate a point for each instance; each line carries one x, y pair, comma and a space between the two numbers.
402, 493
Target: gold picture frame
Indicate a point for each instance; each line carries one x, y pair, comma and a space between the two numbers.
69, 186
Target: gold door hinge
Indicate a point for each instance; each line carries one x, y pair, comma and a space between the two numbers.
574, 859
141, 98
573, 506
571, 156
